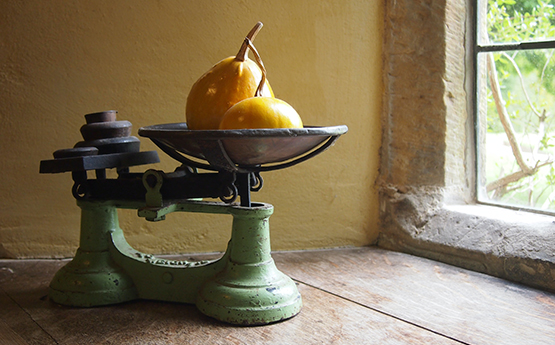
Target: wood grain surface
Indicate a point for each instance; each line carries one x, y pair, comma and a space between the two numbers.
350, 296
471, 307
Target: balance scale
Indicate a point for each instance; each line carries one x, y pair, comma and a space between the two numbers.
242, 287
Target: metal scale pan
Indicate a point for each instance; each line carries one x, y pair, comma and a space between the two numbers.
244, 150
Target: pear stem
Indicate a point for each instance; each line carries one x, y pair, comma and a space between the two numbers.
243, 51
260, 64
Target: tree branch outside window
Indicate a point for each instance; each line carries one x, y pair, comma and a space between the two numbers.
520, 135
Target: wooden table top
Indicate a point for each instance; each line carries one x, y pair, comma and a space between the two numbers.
350, 296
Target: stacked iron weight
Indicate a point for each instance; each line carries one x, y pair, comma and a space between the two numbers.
107, 143
103, 134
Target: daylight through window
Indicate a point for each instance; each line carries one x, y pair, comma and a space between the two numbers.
515, 68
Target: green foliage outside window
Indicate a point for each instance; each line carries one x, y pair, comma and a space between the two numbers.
521, 90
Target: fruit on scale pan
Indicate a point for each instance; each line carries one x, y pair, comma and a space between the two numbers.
226, 83
235, 94
261, 112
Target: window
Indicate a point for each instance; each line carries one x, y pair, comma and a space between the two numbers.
515, 85
427, 173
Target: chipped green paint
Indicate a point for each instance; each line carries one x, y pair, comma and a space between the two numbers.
242, 287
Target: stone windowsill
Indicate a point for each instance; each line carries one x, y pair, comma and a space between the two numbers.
510, 244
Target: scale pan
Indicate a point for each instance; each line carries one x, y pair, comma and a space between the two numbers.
244, 150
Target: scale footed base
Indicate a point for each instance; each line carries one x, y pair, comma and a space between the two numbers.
91, 279
250, 290
250, 295
244, 287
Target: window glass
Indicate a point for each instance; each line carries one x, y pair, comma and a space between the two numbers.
516, 103
520, 20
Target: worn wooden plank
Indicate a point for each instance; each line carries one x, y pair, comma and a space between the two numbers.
469, 306
32, 289
325, 319
8, 336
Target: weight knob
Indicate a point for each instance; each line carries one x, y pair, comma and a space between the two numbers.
103, 116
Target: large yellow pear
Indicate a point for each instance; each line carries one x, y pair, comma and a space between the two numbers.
229, 81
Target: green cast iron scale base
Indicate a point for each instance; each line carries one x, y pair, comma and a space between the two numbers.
244, 286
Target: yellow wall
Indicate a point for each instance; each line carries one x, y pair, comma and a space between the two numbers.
60, 60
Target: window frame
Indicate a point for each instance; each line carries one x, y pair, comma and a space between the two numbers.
478, 48
427, 182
